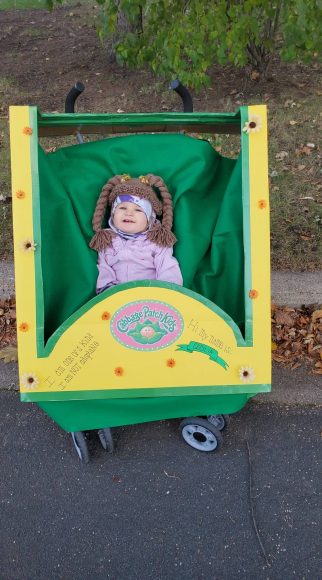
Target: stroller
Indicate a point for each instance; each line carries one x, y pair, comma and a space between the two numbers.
211, 347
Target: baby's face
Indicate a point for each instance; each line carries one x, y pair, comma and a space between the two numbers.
130, 218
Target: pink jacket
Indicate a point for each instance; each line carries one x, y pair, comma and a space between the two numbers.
136, 259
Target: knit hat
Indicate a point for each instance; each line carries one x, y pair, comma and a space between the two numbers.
144, 187
144, 204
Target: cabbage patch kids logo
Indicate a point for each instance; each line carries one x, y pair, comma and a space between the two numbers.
147, 325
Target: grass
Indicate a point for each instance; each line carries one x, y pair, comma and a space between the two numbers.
22, 4
295, 174
294, 168
295, 191
5, 203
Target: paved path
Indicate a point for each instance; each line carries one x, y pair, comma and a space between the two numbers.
158, 509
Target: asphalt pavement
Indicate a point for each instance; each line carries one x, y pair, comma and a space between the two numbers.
158, 509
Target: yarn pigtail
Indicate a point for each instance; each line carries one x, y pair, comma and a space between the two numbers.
103, 238
161, 233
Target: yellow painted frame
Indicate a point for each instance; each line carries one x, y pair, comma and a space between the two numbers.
59, 371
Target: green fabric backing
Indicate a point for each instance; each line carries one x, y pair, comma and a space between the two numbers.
208, 221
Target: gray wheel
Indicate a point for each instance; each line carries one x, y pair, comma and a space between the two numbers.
106, 439
200, 434
80, 443
219, 421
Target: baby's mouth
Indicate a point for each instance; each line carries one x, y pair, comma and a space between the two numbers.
128, 221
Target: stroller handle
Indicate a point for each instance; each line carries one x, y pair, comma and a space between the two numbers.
184, 94
74, 92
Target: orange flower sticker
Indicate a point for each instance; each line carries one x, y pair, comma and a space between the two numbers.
27, 131
20, 194
262, 203
119, 371
24, 327
253, 294
106, 316
171, 363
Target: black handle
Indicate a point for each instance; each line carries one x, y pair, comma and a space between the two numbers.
74, 92
184, 94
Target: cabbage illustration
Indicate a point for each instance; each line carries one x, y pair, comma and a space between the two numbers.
147, 332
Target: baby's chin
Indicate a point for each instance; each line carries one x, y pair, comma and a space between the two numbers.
131, 229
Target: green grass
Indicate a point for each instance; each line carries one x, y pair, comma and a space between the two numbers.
22, 4
5, 205
296, 211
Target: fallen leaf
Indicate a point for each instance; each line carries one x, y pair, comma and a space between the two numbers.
282, 317
293, 122
289, 103
254, 75
316, 314
281, 155
305, 150
9, 354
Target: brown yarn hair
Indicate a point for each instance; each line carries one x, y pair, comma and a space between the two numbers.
142, 187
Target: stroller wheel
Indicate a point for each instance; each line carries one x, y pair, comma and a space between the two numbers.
80, 444
219, 421
201, 434
106, 439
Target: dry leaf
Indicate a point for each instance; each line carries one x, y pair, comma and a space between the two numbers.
316, 314
281, 155
254, 75
9, 354
305, 150
282, 317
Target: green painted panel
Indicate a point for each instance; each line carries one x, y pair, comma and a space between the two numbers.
86, 415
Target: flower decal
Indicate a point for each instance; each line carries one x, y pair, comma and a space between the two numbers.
28, 246
246, 374
119, 371
106, 316
171, 363
24, 327
27, 131
29, 381
253, 294
253, 125
20, 194
262, 203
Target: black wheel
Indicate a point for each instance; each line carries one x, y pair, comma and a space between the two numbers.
200, 434
219, 421
80, 443
106, 439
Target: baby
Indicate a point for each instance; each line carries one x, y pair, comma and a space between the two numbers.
136, 246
